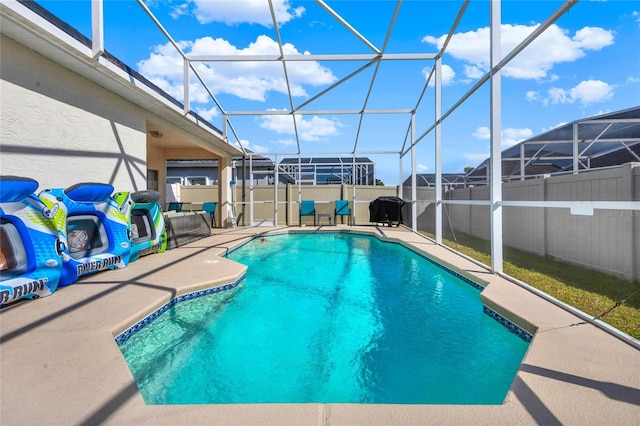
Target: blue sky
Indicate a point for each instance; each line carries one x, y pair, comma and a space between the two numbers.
586, 64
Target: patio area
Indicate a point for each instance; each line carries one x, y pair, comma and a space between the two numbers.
61, 365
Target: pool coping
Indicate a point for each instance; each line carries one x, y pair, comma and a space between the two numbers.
59, 360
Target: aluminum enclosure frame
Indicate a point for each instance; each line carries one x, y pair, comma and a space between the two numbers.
408, 145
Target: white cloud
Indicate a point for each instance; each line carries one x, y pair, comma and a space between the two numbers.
586, 92
208, 114
245, 11
246, 80
476, 158
593, 38
552, 47
180, 10
508, 137
473, 71
286, 142
532, 95
259, 149
421, 168
448, 75
511, 136
482, 133
313, 129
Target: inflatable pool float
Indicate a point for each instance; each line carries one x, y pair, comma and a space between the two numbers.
146, 223
30, 248
95, 235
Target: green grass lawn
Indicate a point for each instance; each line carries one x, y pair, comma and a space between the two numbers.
590, 291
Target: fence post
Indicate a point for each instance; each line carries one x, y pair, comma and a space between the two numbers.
628, 193
542, 196
287, 198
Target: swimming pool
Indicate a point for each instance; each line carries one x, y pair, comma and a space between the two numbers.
329, 318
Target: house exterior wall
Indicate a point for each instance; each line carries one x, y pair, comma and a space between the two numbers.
61, 129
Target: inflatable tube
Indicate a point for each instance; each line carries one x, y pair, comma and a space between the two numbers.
95, 234
30, 247
146, 222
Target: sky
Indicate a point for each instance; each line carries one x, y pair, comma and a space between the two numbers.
587, 63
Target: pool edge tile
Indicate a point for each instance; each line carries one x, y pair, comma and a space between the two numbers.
122, 337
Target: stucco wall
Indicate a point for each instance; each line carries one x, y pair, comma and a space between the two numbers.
61, 129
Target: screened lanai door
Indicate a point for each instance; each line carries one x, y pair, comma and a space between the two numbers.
262, 195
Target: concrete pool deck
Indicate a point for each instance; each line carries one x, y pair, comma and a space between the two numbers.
60, 364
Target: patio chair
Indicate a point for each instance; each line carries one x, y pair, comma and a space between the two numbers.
307, 208
175, 206
342, 209
210, 207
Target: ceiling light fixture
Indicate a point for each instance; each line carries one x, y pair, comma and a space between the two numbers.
156, 133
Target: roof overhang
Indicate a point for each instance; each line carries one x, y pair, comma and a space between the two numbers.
26, 27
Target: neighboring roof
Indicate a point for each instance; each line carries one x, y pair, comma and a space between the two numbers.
619, 156
613, 126
257, 161
604, 140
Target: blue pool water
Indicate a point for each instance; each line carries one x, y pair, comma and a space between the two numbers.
336, 318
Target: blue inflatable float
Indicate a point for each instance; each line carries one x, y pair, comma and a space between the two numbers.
146, 223
96, 235
30, 244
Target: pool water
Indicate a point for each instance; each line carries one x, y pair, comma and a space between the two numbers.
337, 318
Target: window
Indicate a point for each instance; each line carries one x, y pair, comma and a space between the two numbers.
152, 179
86, 236
196, 180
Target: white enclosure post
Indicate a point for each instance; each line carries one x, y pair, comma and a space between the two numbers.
224, 128
250, 190
522, 165
185, 73
575, 148
495, 159
414, 191
438, 149
353, 180
275, 192
97, 28
400, 189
